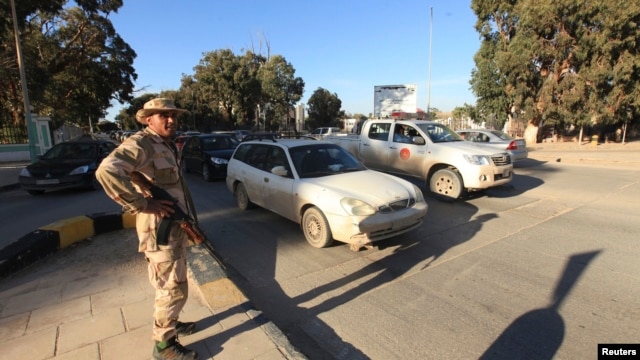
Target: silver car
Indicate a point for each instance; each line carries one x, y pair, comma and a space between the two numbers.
495, 139
325, 189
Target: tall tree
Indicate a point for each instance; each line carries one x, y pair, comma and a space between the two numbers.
217, 75
75, 61
323, 109
238, 84
560, 62
280, 87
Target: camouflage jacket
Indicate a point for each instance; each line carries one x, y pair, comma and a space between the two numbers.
147, 153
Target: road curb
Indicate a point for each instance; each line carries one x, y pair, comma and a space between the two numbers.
60, 234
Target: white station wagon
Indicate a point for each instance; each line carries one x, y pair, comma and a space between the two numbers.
326, 190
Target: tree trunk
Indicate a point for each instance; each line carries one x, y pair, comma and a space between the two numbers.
531, 133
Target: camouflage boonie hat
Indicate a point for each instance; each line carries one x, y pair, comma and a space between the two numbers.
157, 105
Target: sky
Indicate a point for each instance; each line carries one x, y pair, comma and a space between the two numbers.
344, 46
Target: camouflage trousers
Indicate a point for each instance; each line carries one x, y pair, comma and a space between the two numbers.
168, 275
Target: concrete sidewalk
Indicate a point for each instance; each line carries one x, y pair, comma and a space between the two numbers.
93, 300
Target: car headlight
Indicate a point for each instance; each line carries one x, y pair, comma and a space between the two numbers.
419, 196
477, 159
80, 170
219, 161
356, 207
25, 172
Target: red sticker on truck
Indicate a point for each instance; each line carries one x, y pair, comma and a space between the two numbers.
405, 154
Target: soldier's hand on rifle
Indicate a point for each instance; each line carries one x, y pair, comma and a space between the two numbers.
161, 208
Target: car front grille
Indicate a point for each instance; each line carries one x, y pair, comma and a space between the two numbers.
501, 160
397, 205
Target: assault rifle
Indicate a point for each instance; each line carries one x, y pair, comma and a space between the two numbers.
187, 224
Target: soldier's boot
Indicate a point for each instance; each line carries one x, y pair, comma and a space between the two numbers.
172, 350
185, 328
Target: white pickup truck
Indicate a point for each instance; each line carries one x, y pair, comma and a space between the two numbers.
429, 151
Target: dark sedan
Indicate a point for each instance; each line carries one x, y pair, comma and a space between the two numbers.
70, 164
208, 154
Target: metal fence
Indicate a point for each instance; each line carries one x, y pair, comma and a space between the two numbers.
13, 134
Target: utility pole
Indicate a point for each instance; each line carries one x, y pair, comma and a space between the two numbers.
25, 93
429, 82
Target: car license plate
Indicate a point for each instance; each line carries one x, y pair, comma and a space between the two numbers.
48, 182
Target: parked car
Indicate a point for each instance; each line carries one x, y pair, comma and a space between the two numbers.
321, 133
70, 164
261, 136
208, 154
325, 189
180, 140
240, 134
495, 139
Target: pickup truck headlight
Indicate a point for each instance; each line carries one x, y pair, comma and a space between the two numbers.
219, 161
356, 207
477, 159
24, 172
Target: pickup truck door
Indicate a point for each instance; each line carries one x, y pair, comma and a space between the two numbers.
406, 157
374, 146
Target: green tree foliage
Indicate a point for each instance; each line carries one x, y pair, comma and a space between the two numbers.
280, 87
226, 90
561, 62
359, 116
75, 61
127, 115
323, 109
461, 113
217, 75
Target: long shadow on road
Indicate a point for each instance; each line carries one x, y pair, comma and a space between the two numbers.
255, 253
539, 333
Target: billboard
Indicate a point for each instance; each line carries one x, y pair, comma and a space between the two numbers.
388, 99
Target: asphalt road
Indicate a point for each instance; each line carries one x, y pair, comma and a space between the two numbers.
545, 267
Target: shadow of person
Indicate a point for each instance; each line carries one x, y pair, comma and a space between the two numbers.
539, 333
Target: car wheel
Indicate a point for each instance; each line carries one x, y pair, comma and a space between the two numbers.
185, 168
206, 172
316, 228
242, 198
35, 192
446, 183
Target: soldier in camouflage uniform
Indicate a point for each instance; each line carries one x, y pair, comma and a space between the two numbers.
152, 153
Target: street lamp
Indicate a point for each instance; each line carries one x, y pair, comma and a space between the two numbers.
25, 93
193, 106
429, 82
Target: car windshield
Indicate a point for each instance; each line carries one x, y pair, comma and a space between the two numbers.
323, 159
70, 151
440, 133
219, 143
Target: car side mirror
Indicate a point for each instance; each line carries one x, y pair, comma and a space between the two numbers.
280, 171
418, 140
